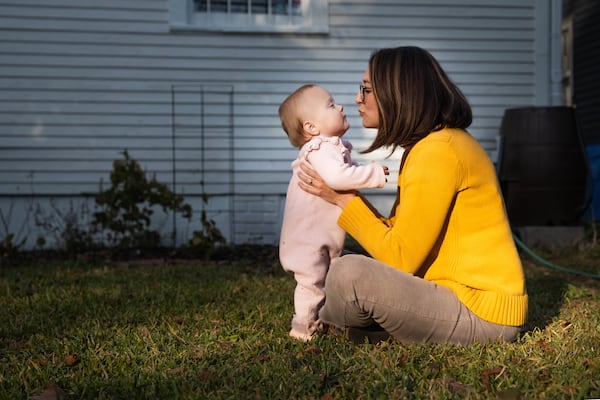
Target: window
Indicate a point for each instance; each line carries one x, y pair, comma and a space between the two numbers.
306, 16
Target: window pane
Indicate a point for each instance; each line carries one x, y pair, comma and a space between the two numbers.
260, 6
278, 7
287, 7
239, 6
200, 5
218, 5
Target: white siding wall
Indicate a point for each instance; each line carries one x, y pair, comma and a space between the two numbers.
82, 80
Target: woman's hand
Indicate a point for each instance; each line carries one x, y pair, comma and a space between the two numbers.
311, 182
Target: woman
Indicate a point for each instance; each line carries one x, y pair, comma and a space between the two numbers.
444, 267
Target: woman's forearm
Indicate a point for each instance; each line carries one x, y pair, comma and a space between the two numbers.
310, 181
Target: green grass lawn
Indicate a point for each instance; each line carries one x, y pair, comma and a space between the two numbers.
169, 329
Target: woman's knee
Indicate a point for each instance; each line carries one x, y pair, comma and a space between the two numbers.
345, 271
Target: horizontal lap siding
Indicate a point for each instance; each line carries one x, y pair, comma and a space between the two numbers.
82, 80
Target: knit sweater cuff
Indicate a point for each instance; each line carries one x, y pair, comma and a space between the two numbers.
356, 217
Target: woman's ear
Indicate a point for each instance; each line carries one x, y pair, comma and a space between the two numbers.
310, 128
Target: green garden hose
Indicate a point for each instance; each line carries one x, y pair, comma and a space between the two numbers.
539, 259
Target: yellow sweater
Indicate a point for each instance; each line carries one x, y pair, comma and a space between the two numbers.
449, 226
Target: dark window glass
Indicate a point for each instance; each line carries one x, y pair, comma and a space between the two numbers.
279, 7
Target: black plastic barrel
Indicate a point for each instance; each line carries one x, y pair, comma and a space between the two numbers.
542, 166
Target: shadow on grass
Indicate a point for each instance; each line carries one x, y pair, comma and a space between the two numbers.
546, 295
548, 280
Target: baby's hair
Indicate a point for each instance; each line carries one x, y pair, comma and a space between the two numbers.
291, 118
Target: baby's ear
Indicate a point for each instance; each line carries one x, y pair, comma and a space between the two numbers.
310, 128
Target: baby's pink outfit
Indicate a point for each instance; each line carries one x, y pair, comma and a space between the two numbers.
310, 236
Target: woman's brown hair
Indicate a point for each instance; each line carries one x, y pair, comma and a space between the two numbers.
414, 97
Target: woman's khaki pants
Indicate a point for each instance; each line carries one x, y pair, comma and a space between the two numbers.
362, 292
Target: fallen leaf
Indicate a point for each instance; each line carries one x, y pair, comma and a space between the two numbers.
206, 375
145, 332
435, 367
486, 374
39, 362
312, 350
225, 345
198, 353
457, 387
263, 358
176, 370
72, 359
50, 392
544, 346
510, 394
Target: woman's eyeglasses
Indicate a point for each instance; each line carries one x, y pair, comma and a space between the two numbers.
363, 92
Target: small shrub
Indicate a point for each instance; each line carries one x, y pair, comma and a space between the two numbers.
69, 228
10, 242
203, 242
9, 249
126, 208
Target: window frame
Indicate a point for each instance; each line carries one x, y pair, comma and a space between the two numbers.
314, 19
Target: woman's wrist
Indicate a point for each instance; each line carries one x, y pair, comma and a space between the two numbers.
343, 199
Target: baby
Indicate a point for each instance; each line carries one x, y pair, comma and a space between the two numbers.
310, 237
